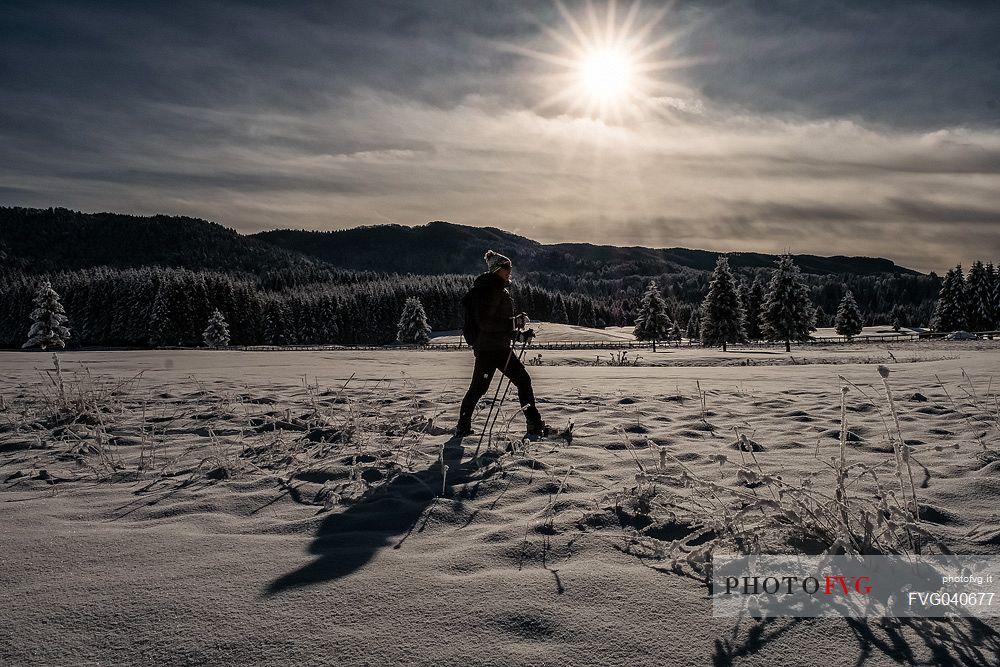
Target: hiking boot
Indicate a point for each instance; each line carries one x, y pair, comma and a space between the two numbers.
538, 428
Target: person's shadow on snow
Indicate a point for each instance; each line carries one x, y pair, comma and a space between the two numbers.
957, 642
384, 515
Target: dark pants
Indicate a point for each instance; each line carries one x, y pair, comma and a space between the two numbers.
487, 363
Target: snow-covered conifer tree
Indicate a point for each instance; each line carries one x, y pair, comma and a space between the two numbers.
752, 309
979, 290
48, 327
559, 313
822, 319
744, 292
898, 317
652, 321
692, 327
950, 311
848, 321
217, 332
276, 322
788, 313
413, 327
722, 312
587, 313
164, 328
993, 278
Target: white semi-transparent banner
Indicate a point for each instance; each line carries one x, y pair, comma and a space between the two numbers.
857, 586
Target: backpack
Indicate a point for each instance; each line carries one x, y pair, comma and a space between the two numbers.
470, 323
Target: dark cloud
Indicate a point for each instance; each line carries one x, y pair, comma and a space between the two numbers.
917, 64
928, 243
928, 211
802, 118
891, 210
777, 212
197, 183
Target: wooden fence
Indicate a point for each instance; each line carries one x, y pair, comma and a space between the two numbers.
550, 345
583, 345
624, 344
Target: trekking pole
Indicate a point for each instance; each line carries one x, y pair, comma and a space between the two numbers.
493, 403
503, 375
503, 398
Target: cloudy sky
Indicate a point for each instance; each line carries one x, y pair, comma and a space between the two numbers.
856, 128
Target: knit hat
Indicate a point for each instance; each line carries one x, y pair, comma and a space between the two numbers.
495, 260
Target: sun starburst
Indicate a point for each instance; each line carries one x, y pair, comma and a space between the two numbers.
605, 65
606, 74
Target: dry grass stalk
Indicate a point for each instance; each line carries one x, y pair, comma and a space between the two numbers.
762, 511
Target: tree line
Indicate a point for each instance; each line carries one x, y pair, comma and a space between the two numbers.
156, 306
734, 312
969, 303
594, 285
731, 313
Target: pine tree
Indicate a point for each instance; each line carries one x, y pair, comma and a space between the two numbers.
559, 313
822, 319
950, 311
163, 327
98, 299
675, 333
198, 307
753, 306
722, 312
787, 313
49, 320
901, 317
960, 297
682, 315
744, 292
993, 278
979, 291
187, 328
587, 313
217, 332
413, 327
652, 323
692, 328
141, 293
276, 318
848, 320
328, 318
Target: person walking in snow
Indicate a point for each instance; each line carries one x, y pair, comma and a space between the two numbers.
492, 329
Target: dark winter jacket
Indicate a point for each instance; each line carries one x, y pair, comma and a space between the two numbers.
494, 312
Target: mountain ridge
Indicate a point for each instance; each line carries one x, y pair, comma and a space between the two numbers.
51, 239
349, 248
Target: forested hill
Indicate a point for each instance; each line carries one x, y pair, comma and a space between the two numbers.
434, 248
442, 247
128, 280
44, 240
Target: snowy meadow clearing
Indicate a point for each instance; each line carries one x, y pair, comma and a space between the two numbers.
314, 507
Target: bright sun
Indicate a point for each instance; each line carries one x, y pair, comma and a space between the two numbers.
606, 74
605, 60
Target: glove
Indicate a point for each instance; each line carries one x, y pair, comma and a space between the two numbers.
524, 336
521, 320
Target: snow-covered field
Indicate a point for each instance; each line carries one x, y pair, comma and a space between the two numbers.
549, 332
292, 507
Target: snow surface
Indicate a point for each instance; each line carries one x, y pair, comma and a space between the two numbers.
175, 567
550, 332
